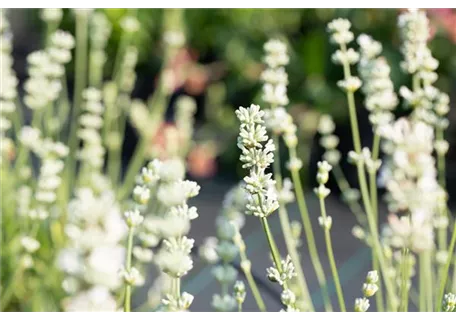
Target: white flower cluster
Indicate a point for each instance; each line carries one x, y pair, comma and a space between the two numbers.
91, 122
410, 177
95, 299
415, 32
46, 68
186, 109
52, 15
340, 31
162, 189
288, 272
341, 35
94, 254
329, 141
370, 287
262, 198
226, 246
8, 90
51, 154
275, 78
101, 30
380, 98
127, 77
449, 302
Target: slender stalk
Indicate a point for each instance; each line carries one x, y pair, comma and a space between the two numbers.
403, 307
307, 224
80, 83
8, 292
429, 281
332, 262
364, 189
422, 284
272, 245
286, 227
446, 269
255, 292
374, 201
248, 275
127, 301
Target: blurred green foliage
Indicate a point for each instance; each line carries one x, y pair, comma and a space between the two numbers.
234, 39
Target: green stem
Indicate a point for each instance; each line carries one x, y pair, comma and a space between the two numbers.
255, 292
364, 189
429, 282
422, 283
8, 292
441, 160
133, 168
80, 83
332, 262
374, 201
446, 269
307, 224
404, 280
127, 302
286, 227
379, 295
177, 288
272, 245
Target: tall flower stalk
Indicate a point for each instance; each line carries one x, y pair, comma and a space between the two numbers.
275, 94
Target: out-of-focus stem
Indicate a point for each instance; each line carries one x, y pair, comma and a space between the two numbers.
332, 262
307, 224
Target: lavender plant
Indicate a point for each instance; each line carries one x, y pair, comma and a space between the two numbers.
81, 236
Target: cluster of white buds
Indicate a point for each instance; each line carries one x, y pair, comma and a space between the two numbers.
95, 299
340, 31
223, 303
322, 178
262, 198
410, 177
415, 32
329, 141
186, 109
51, 167
365, 158
131, 277
99, 35
370, 287
341, 35
380, 98
83, 12
226, 247
449, 302
127, 76
288, 272
130, 24
8, 90
429, 103
275, 78
162, 190
91, 122
239, 292
95, 231
52, 15
181, 304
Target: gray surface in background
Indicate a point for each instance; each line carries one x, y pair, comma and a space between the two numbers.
352, 257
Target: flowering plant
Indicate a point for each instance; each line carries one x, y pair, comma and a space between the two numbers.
81, 234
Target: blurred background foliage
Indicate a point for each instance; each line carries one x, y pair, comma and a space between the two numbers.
225, 48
